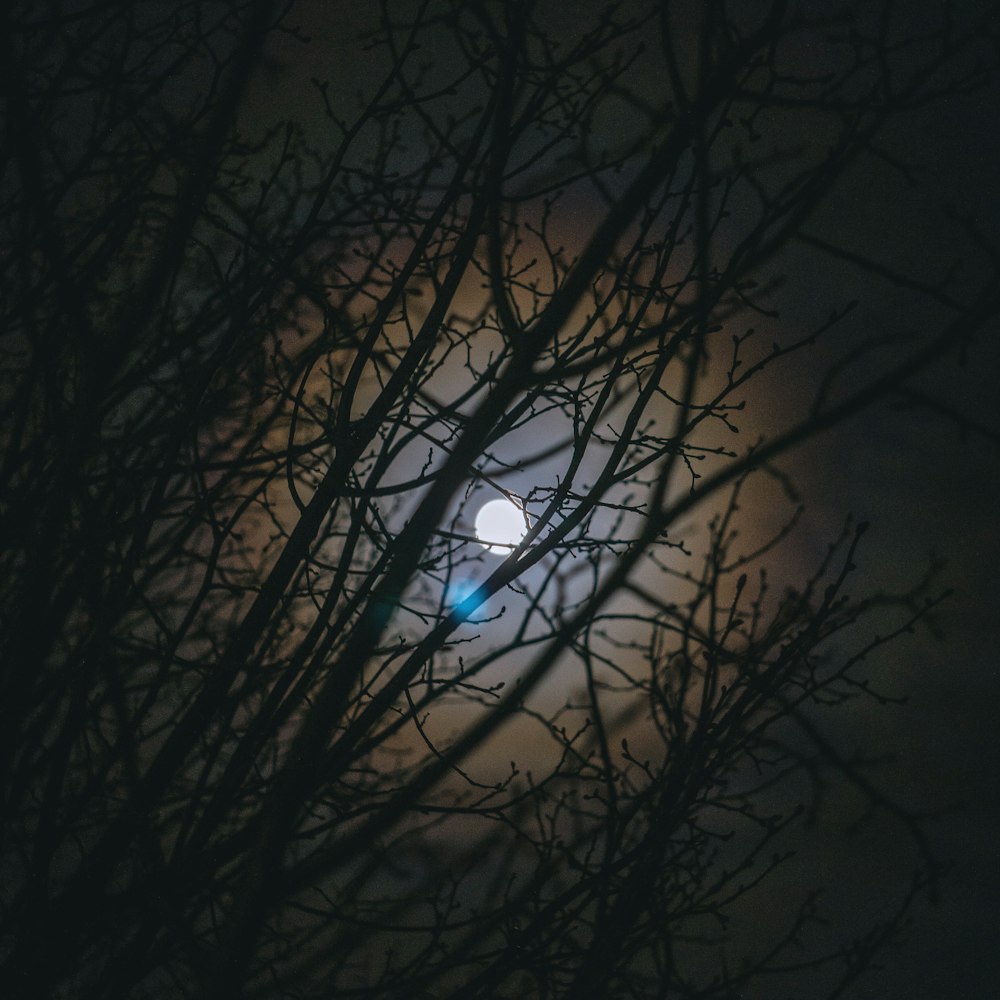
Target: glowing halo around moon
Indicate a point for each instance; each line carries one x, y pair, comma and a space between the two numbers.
499, 525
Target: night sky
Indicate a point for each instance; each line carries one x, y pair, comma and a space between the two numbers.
926, 481
929, 490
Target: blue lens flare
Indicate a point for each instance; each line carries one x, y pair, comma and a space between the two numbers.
459, 593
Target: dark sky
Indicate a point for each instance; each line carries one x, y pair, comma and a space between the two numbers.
928, 491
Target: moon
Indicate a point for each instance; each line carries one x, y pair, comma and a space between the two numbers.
499, 525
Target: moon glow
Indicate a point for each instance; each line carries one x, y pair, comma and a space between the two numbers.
499, 525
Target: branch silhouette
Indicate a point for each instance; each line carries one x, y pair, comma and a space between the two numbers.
274, 721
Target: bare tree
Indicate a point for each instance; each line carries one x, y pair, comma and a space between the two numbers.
277, 721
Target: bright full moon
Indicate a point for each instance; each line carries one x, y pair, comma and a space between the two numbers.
500, 524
